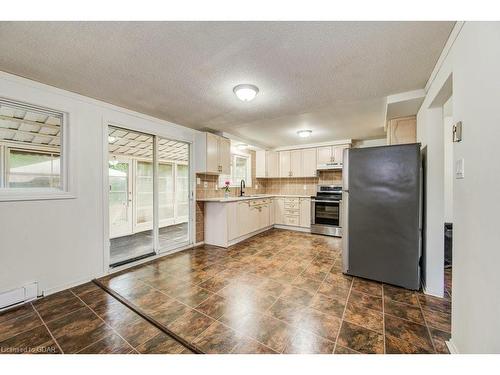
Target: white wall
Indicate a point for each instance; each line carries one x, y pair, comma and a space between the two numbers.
433, 245
60, 243
474, 62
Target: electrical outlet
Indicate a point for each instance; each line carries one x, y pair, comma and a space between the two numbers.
205, 184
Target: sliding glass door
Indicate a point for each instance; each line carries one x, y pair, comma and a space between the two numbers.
173, 175
134, 231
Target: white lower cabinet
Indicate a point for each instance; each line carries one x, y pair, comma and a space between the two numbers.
292, 211
227, 223
305, 212
279, 211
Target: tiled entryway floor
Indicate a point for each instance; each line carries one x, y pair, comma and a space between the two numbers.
279, 292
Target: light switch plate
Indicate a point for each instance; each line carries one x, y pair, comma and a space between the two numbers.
459, 168
198, 181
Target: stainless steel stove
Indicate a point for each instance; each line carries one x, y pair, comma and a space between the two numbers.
326, 208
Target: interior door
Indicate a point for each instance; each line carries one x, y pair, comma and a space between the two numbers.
120, 197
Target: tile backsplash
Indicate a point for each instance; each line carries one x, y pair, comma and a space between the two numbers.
208, 188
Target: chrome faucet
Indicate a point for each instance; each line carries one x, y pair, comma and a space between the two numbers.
242, 186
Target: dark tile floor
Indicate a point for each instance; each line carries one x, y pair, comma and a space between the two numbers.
279, 292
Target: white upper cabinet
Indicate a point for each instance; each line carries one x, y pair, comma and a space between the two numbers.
224, 155
309, 163
260, 164
331, 155
212, 154
325, 154
299, 163
284, 157
273, 164
296, 163
267, 164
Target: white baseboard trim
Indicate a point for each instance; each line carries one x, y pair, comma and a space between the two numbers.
247, 236
425, 291
296, 229
49, 291
201, 243
452, 347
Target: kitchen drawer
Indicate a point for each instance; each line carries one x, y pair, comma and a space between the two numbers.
289, 200
291, 220
292, 212
292, 204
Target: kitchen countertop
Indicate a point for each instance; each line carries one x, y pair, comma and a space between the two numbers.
250, 197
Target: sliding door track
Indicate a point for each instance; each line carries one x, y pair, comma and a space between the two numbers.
134, 259
154, 322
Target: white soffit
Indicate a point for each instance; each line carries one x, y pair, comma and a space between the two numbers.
404, 104
330, 77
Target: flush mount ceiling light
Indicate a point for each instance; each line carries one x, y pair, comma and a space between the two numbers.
304, 133
111, 139
246, 92
242, 146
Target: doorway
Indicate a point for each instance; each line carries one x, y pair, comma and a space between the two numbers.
149, 195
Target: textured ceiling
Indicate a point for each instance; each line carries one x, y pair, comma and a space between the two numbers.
331, 77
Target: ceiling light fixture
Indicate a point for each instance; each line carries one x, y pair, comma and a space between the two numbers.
304, 133
246, 92
111, 139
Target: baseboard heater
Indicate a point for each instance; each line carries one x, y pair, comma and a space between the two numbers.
19, 295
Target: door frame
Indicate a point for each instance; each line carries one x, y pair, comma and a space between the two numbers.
130, 192
157, 129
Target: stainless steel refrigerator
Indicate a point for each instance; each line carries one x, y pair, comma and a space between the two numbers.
382, 214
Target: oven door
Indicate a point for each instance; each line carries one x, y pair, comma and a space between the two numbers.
327, 212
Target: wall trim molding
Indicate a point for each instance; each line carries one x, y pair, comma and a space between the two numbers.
452, 347
446, 50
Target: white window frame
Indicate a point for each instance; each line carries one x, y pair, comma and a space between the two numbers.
28, 194
248, 183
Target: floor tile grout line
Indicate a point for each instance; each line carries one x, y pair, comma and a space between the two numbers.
314, 295
140, 310
427, 326
20, 332
256, 275
106, 323
343, 316
47, 328
15, 307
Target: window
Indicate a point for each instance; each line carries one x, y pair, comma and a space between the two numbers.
240, 170
26, 169
30, 152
